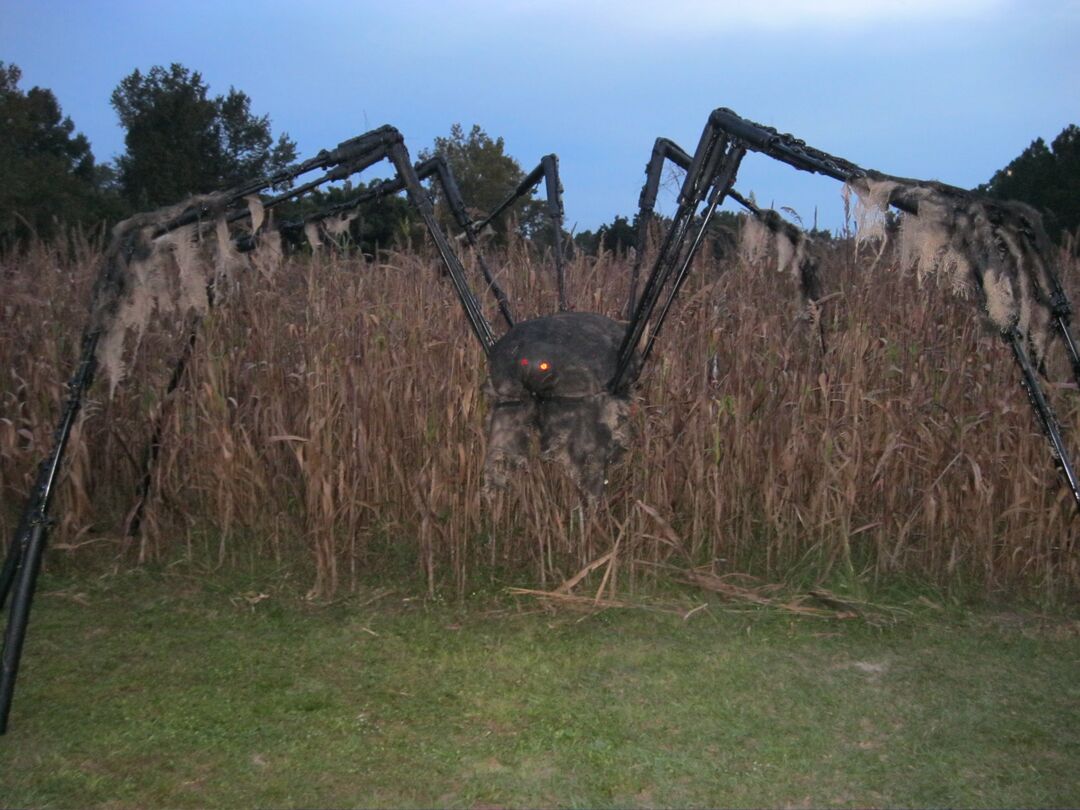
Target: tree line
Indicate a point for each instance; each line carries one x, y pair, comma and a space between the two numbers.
181, 140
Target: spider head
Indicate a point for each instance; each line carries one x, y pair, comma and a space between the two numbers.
538, 374
571, 354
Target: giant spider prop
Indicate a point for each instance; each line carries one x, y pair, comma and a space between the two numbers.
567, 375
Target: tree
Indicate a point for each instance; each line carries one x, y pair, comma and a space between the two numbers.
486, 175
621, 234
390, 221
182, 141
49, 174
618, 236
1047, 177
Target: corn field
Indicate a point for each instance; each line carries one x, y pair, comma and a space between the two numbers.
331, 418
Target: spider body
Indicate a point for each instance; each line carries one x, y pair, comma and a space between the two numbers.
549, 376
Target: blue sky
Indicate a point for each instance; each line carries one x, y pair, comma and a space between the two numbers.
943, 90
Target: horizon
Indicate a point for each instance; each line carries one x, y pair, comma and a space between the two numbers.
952, 92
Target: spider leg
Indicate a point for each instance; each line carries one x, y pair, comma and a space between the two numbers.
1043, 412
23, 560
807, 264
548, 171
721, 186
436, 168
981, 228
1038, 262
439, 169
1014, 232
153, 447
663, 149
399, 157
713, 166
352, 157
21, 567
1062, 323
1015, 242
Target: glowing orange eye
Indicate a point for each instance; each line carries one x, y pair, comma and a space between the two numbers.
524, 361
544, 365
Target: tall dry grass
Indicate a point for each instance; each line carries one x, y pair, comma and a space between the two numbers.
332, 413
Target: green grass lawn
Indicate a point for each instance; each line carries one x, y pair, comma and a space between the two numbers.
152, 690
